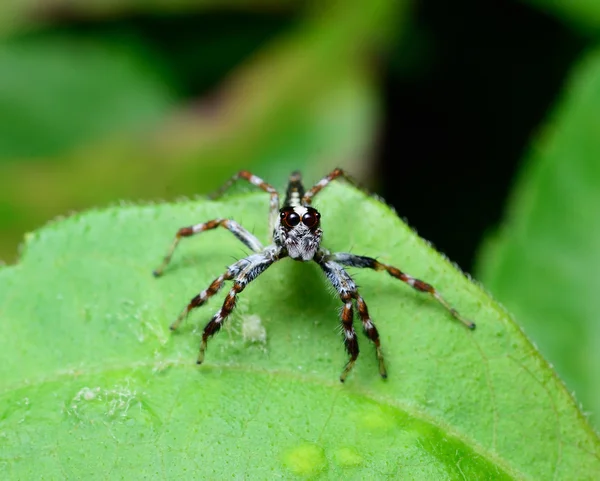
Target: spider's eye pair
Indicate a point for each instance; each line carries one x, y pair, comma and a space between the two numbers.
311, 218
292, 219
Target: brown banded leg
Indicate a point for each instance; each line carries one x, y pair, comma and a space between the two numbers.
334, 174
346, 288
232, 226
350, 340
202, 297
371, 332
352, 260
261, 184
248, 270
214, 325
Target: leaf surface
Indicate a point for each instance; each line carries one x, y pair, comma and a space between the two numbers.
94, 385
544, 261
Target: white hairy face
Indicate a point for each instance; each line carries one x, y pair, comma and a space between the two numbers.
299, 232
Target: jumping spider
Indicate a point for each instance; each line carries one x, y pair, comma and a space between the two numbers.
296, 233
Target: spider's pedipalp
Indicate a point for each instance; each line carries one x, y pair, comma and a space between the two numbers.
261, 184
352, 260
232, 226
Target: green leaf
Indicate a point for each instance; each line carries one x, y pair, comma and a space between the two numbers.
543, 263
94, 385
89, 89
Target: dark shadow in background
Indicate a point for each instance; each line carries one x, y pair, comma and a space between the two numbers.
455, 134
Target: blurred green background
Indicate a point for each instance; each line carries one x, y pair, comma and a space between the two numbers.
479, 123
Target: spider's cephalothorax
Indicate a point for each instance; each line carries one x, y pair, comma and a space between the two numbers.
296, 231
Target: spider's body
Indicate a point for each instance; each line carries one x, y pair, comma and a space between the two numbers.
296, 233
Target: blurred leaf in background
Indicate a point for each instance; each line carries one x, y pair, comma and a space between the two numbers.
544, 263
307, 99
57, 94
583, 15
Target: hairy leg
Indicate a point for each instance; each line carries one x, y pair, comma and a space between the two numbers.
346, 288
253, 266
352, 260
202, 297
236, 229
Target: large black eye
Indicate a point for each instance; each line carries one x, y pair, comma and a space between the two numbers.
290, 218
311, 218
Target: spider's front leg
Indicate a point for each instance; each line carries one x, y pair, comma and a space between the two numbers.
206, 294
250, 268
352, 260
346, 288
232, 226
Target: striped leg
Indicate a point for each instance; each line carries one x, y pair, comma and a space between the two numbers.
203, 296
352, 260
350, 340
371, 332
236, 229
346, 288
334, 174
261, 184
253, 266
